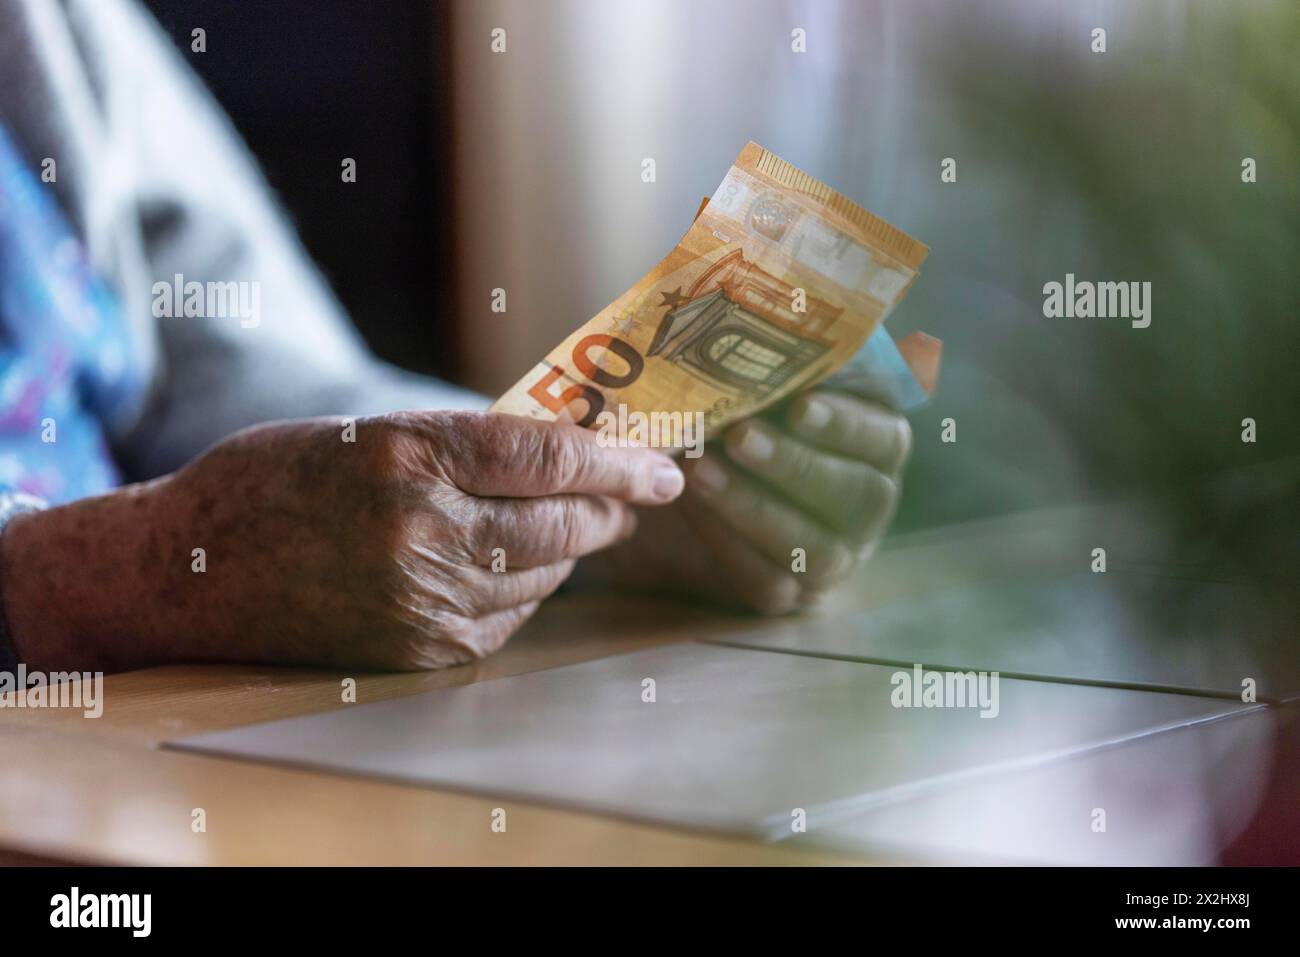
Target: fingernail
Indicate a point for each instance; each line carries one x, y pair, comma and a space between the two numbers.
709, 477
668, 483
841, 561
781, 597
904, 440
816, 415
755, 447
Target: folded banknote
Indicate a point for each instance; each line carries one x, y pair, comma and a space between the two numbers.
780, 283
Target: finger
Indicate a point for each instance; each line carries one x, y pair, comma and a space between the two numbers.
474, 638
532, 532
844, 493
740, 569
772, 526
852, 427
493, 630
497, 591
508, 455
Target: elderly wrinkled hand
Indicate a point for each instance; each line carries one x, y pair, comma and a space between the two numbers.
818, 478
426, 541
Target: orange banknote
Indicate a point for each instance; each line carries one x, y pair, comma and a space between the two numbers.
779, 284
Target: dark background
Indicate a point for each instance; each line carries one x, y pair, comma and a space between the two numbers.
309, 82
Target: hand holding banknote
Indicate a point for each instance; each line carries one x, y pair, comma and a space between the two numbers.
819, 476
425, 542
781, 286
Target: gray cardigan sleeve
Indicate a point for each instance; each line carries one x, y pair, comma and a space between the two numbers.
161, 186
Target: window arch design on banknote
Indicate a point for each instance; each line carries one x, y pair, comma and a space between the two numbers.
739, 330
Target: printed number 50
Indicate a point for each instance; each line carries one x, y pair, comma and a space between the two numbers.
540, 390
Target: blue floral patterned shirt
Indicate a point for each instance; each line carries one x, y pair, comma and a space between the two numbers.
66, 365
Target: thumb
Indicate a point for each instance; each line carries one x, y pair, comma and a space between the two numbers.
519, 457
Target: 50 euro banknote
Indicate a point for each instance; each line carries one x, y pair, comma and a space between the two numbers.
780, 283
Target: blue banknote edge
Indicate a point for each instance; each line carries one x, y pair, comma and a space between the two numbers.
879, 371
